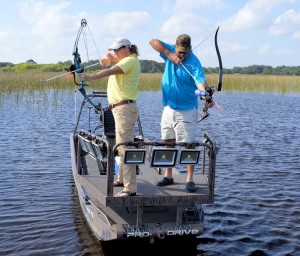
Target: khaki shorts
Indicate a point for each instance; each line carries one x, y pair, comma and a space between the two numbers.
179, 124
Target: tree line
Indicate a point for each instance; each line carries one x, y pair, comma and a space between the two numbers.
149, 66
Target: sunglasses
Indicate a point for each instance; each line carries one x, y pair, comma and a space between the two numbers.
183, 52
118, 49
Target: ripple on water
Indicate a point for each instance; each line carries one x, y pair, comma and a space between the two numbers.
256, 210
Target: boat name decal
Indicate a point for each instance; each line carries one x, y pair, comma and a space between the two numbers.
138, 234
182, 232
168, 232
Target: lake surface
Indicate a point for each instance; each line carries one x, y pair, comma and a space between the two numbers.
257, 203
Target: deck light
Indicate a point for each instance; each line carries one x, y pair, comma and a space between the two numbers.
135, 156
163, 157
189, 156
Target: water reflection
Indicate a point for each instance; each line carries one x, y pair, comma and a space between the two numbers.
87, 243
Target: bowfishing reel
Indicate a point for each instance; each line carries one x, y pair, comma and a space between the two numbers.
72, 70
209, 91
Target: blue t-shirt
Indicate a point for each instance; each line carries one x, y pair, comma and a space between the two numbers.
178, 87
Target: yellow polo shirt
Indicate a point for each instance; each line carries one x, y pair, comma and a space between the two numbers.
122, 87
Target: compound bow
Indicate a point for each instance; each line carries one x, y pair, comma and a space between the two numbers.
77, 68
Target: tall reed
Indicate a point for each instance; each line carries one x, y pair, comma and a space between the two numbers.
33, 81
261, 83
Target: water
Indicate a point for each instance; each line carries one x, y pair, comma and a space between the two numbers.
257, 203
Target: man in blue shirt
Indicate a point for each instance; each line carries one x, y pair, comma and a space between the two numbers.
183, 74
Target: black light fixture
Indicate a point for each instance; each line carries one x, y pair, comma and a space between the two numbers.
135, 156
189, 156
163, 157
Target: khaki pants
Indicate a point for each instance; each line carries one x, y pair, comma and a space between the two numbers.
125, 118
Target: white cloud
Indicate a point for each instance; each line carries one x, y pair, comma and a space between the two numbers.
47, 20
6, 35
234, 47
124, 21
285, 23
187, 5
253, 15
10, 40
48, 29
179, 24
264, 49
45, 30
296, 35
54, 28
284, 51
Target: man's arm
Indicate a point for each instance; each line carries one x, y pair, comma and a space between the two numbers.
158, 46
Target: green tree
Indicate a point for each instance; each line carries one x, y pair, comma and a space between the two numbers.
267, 70
31, 61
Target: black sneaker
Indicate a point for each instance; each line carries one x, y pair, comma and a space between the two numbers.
190, 187
164, 182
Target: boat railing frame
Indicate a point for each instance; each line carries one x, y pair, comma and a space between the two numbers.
210, 149
207, 144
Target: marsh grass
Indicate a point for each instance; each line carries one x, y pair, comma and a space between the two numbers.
33, 81
261, 83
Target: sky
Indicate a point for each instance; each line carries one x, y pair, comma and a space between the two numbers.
252, 32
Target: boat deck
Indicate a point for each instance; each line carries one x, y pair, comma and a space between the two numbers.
148, 194
151, 205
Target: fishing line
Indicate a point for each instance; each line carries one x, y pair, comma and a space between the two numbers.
75, 105
190, 73
216, 104
64, 74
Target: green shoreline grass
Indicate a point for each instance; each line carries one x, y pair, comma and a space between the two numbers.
33, 81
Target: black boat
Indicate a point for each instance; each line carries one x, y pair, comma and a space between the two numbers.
155, 212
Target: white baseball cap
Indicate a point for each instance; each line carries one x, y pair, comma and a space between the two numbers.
119, 42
